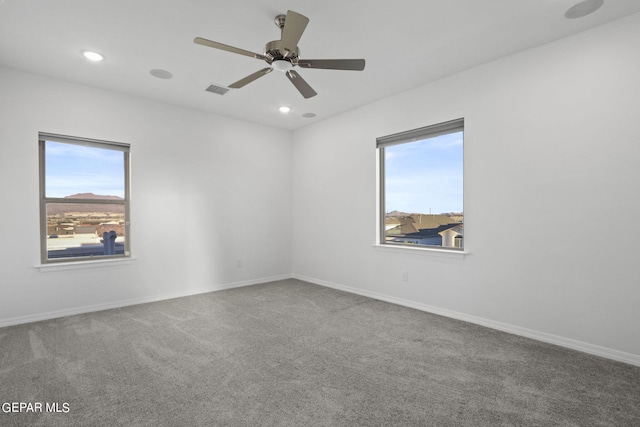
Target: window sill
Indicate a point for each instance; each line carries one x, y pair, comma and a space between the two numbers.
448, 253
80, 265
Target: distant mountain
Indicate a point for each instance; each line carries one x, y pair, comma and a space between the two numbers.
398, 214
64, 208
92, 196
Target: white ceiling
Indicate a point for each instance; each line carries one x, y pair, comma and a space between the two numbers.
406, 43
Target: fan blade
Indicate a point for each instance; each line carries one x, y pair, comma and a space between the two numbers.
243, 82
294, 25
302, 86
216, 45
333, 64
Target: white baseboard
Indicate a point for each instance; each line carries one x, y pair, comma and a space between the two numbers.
135, 301
620, 356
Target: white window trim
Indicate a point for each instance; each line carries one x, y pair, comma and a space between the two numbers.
402, 138
426, 250
87, 142
80, 265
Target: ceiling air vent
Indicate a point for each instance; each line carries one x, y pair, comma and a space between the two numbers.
217, 89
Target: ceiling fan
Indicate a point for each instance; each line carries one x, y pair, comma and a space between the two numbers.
283, 55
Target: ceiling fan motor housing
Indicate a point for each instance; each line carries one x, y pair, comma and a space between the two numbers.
275, 51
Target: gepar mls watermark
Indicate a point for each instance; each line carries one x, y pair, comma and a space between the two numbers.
35, 407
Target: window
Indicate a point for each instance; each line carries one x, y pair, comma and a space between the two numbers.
421, 187
84, 199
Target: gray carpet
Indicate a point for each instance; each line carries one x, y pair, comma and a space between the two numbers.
291, 353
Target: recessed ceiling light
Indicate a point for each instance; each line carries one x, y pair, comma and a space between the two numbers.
284, 109
583, 8
161, 74
92, 56
309, 115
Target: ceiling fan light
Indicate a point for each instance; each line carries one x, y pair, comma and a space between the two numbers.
282, 65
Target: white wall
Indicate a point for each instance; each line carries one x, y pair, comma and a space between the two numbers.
552, 149
224, 184
551, 154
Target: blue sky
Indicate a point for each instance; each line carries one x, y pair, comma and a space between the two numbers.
425, 176
73, 169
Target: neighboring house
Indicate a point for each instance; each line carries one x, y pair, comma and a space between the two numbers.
63, 229
423, 229
110, 226
85, 229
399, 225
453, 237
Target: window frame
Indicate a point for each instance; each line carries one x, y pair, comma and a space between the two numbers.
43, 137
414, 135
